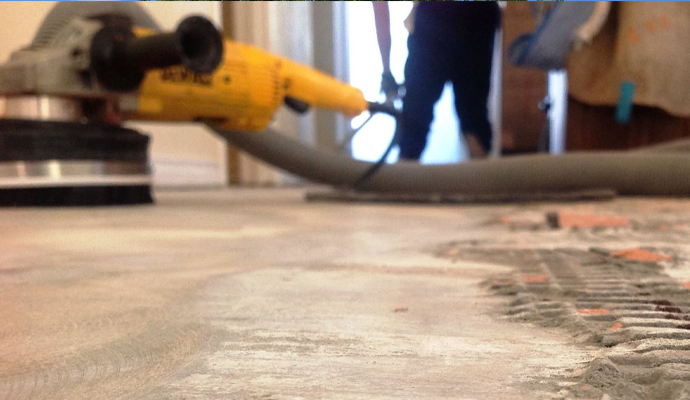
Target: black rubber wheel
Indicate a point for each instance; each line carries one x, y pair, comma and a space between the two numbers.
77, 196
26, 140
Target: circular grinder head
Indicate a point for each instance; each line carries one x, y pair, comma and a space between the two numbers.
47, 163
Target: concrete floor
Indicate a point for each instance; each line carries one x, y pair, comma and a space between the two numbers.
256, 294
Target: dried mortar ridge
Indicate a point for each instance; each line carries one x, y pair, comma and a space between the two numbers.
636, 313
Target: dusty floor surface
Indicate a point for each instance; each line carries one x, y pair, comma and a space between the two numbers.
258, 294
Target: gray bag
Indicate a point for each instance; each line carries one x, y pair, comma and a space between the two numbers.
548, 46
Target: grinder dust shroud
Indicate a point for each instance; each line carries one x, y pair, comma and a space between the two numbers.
61, 142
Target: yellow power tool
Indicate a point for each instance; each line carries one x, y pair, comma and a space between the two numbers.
91, 68
244, 92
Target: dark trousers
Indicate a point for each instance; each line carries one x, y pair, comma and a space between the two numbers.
441, 52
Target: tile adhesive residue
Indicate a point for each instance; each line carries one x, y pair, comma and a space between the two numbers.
620, 300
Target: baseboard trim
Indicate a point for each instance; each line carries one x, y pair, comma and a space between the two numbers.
171, 172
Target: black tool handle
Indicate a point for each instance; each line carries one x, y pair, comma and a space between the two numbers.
120, 59
195, 44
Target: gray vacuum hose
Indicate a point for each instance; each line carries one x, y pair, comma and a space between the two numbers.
675, 146
628, 173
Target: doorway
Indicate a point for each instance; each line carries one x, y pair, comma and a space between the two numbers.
365, 69
445, 144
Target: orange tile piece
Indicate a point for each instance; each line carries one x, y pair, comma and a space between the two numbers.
570, 220
454, 251
632, 36
593, 311
535, 278
686, 284
641, 255
664, 21
650, 25
615, 326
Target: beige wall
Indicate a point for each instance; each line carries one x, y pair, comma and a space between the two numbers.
19, 20
182, 154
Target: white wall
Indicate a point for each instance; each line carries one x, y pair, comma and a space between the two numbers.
182, 154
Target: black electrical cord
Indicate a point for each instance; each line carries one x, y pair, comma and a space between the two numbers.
393, 112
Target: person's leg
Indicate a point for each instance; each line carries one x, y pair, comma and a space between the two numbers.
471, 83
424, 80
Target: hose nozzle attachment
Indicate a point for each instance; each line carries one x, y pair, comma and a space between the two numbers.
384, 108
